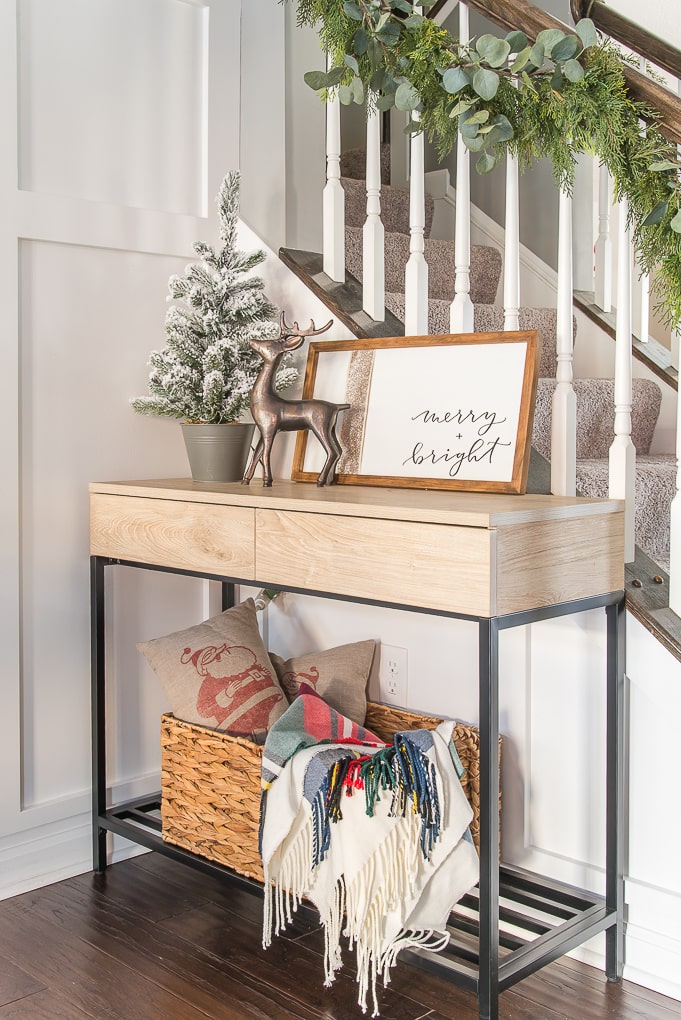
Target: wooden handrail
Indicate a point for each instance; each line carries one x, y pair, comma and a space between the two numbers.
529, 19
638, 39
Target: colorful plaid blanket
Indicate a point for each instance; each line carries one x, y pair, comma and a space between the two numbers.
374, 835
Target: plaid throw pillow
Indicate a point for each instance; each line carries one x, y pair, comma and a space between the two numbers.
219, 674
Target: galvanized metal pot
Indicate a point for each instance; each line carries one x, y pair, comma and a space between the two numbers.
217, 453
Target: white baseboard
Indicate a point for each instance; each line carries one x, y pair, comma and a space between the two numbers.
52, 852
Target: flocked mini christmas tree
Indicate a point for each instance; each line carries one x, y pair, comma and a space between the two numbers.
207, 368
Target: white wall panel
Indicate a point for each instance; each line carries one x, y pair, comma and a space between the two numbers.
88, 320
112, 101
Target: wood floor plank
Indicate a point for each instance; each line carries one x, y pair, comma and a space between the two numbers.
288, 965
44, 1005
214, 988
15, 982
89, 977
153, 940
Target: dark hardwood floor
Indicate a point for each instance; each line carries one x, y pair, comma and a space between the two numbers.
153, 939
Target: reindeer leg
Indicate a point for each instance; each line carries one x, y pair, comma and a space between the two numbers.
256, 456
337, 450
331, 457
266, 469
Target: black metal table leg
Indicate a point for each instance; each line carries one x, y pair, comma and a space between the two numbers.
614, 866
228, 594
98, 694
488, 984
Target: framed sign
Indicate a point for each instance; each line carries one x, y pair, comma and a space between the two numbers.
435, 412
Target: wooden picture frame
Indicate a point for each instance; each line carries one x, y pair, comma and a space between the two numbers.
434, 412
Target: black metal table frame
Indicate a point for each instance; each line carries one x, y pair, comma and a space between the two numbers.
579, 914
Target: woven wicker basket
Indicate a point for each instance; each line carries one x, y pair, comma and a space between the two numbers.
211, 784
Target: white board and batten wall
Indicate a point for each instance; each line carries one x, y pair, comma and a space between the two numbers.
119, 120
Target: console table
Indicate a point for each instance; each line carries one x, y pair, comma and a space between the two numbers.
502, 561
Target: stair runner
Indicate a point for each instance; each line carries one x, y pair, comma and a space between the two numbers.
655, 473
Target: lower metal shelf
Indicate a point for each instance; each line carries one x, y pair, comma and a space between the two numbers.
539, 919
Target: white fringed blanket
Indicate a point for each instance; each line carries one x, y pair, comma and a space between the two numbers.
376, 837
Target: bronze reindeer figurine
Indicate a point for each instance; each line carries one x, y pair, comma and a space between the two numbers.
272, 414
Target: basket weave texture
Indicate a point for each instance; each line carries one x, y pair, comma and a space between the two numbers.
211, 784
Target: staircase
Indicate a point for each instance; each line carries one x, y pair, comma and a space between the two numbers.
655, 474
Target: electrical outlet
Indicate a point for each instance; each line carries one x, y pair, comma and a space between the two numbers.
392, 675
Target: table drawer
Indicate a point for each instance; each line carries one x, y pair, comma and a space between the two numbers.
171, 533
428, 565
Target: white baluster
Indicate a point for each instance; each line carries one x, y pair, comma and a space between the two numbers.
642, 292
461, 309
416, 272
675, 522
564, 407
603, 281
622, 452
675, 526
511, 246
333, 197
373, 254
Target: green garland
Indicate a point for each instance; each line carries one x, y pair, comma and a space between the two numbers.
562, 94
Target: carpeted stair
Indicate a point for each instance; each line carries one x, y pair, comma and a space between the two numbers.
655, 474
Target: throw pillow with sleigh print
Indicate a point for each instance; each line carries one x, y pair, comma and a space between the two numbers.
219, 674
339, 675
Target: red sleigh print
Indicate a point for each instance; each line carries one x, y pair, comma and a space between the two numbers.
237, 693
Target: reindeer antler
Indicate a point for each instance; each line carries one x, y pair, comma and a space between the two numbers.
287, 331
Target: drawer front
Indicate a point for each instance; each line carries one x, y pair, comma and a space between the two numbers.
429, 565
558, 561
170, 533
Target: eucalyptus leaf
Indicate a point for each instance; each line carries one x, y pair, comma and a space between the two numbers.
528, 81
537, 55
521, 60
586, 30
565, 49
486, 83
351, 62
382, 21
406, 97
486, 163
454, 79
485, 43
375, 52
474, 144
665, 164
413, 127
357, 88
345, 95
402, 5
389, 34
468, 130
549, 38
573, 70
360, 42
500, 129
656, 215
496, 55
413, 21
334, 76
352, 10
315, 79
557, 80
478, 118
675, 223
517, 41
377, 82
385, 102
461, 107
